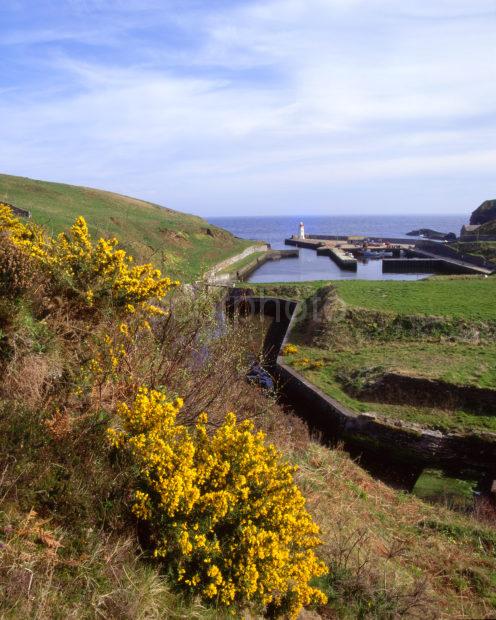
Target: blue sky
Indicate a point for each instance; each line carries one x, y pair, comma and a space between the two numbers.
257, 108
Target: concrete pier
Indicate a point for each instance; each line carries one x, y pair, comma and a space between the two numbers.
339, 256
311, 244
420, 257
242, 273
425, 265
454, 265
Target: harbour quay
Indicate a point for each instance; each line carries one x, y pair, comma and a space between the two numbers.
345, 251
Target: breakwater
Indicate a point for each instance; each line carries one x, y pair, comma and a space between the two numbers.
424, 265
222, 274
343, 259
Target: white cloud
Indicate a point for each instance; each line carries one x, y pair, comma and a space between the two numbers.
272, 95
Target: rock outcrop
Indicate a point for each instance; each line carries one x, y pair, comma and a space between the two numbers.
428, 233
485, 213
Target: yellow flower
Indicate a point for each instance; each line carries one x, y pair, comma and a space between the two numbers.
98, 270
124, 329
289, 349
222, 508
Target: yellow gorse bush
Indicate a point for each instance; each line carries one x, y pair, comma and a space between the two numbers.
289, 349
223, 509
95, 271
23, 235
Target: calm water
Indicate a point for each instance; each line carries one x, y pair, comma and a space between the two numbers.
309, 266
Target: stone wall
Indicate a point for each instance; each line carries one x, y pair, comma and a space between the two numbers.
252, 249
441, 249
402, 441
388, 438
246, 270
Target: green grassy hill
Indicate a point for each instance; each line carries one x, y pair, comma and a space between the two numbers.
182, 245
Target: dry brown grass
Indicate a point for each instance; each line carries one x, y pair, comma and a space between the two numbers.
384, 549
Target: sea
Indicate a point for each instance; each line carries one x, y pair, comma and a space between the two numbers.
309, 266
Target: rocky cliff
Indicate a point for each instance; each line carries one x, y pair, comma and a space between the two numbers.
485, 213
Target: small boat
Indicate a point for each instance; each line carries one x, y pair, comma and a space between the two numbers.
374, 255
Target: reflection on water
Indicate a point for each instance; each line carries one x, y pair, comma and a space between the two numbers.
310, 266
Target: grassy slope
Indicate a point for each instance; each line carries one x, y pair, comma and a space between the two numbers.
178, 243
448, 560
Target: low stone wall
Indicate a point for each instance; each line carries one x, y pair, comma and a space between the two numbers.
246, 270
402, 441
213, 274
424, 265
252, 249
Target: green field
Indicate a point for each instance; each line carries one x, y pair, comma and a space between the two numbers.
469, 298
453, 362
182, 245
336, 345
335, 364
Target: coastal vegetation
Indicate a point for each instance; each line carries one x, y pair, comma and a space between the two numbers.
485, 249
222, 510
120, 498
355, 339
183, 245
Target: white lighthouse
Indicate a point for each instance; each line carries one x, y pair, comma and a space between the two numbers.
302, 231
